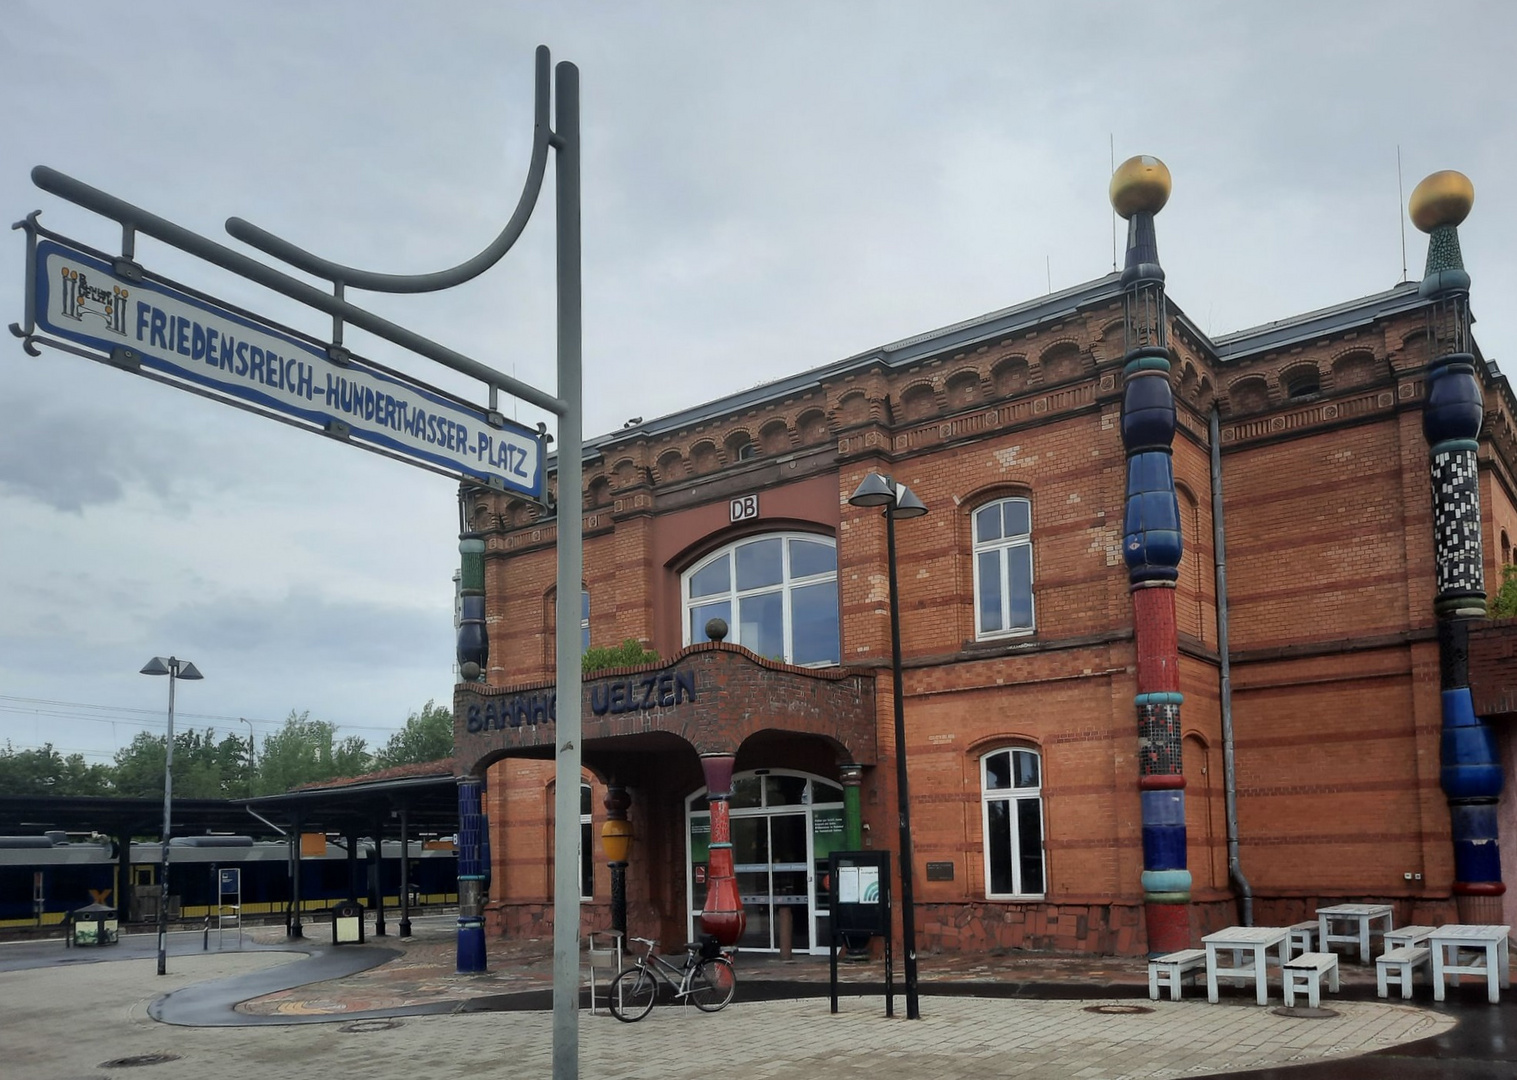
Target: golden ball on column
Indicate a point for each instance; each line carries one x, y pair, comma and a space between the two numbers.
1444, 198
1140, 183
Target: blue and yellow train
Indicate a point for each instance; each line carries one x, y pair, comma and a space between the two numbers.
43, 878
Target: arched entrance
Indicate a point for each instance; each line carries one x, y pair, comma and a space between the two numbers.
784, 825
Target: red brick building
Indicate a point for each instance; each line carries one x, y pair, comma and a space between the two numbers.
1017, 632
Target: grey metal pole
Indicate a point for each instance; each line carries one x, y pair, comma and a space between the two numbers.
168, 797
903, 795
405, 872
569, 680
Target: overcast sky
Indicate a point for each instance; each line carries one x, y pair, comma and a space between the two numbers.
767, 187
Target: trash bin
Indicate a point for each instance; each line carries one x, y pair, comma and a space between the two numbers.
347, 923
94, 924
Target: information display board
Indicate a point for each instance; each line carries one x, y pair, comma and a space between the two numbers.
858, 892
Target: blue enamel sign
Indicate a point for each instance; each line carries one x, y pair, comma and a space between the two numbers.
195, 340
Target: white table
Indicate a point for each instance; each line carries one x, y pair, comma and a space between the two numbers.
1493, 961
1255, 940
1361, 914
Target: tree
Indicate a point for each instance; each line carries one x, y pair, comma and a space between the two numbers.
44, 771
630, 653
305, 751
427, 736
204, 768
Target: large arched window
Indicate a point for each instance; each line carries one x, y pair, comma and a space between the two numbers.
1003, 568
1011, 801
778, 595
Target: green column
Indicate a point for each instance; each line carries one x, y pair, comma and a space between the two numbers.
853, 822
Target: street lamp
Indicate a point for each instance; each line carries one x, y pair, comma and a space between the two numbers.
175, 669
897, 501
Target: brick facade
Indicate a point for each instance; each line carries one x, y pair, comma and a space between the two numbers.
1334, 663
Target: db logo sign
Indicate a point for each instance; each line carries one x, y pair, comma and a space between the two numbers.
745, 507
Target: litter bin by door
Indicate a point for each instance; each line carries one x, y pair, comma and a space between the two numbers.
347, 924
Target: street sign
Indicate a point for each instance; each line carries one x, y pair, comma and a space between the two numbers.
194, 339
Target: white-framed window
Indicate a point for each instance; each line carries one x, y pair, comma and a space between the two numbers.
1011, 810
1003, 568
586, 844
777, 593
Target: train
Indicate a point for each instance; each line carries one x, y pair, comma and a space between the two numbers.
44, 878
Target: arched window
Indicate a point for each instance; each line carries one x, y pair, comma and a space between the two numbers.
1011, 801
778, 595
1003, 568
586, 845
1302, 383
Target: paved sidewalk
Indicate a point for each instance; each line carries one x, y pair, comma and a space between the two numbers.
1004, 1015
69, 1023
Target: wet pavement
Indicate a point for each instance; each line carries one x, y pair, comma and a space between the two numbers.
394, 1007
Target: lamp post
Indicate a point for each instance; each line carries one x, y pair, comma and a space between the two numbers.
175, 669
897, 501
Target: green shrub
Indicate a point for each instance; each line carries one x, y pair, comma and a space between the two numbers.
629, 653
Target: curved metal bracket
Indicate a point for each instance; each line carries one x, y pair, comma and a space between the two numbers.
284, 251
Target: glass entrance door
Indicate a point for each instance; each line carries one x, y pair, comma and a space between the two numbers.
783, 827
774, 880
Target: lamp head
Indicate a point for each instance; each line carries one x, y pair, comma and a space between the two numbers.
190, 671
907, 505
155, 666
875, 490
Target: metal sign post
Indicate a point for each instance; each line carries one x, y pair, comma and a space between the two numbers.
112, 309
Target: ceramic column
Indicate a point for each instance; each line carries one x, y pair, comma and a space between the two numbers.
1152, 549
1452, 412
723, 917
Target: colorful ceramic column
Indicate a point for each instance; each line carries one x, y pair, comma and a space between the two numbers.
723, 916
1152, 549
616, 840
471, 875
1451, 416
473, 638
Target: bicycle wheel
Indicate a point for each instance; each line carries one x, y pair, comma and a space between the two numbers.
631, 995
713, 984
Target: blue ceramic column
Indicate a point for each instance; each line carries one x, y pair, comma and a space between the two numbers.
1152, 549
471, 876
473, 838
1451, 416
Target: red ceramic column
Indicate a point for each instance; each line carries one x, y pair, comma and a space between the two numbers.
723, 917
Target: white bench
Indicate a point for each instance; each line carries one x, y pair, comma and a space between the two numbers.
1408, 935
1303, 935
1169, 969
1399, 964
1305, 972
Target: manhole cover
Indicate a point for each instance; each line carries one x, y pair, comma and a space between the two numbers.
1295, 1012
140, 1059
1118, 1010
358, 1027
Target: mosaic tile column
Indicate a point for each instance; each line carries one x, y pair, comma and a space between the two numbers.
723, 917
471, 876
1452, 412
473, 637
1151, 547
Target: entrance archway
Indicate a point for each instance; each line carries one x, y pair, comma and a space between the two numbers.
784, 825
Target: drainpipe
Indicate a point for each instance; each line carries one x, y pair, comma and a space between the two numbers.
1229, 768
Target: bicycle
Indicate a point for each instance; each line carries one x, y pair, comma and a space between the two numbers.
706, 978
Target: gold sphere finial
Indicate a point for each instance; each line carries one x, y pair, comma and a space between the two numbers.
1444, 198
1140, 183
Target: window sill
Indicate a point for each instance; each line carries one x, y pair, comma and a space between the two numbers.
1031, 898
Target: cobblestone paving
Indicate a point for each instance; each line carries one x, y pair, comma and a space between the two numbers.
64, 1023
